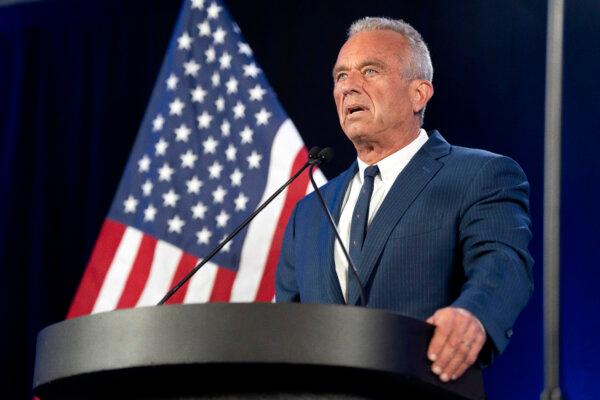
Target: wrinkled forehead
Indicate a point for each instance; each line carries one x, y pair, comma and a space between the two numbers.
377, 44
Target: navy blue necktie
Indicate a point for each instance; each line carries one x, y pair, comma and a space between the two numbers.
360, 217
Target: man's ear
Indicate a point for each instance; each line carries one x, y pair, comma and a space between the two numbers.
422, 91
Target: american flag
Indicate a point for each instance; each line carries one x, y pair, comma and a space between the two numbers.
214, 143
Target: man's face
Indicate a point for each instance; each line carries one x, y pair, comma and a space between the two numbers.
372, 98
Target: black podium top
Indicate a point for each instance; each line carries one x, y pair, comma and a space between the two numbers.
201, 350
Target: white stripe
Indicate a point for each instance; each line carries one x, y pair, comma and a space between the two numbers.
320, 180
260, 233
164, 265
201, 285
118, 272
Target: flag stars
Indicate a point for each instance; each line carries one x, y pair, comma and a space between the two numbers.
130, 205
160, 148
243, 48
157, 123
246, 135
210, 145
232, 85
227, 247
150, 213
198, 94
211, 55
199, 210
240, 202
170, 198
225, 128
231, 152
175, 224
182, 133
251, 70
222, 219
254, 160
220, 104
239, 110
194, 185
203, 236
144, 164
203, 28
219, 35
214, 171
165, 172
176, 107
204, 120
184, 42
172, 81
236, 177
219, 195
262, 117
225, 60
257, 93
188, 159
215, 79
147, 188
197, 4
191, 68
213, 11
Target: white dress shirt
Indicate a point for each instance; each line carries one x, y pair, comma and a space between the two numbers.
389, 169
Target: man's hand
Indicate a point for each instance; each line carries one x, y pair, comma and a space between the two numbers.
456, 342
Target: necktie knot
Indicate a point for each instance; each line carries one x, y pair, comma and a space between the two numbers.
371, 171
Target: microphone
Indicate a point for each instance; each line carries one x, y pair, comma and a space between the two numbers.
314, 158
324, 156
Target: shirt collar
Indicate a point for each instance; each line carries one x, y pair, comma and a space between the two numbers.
391, 166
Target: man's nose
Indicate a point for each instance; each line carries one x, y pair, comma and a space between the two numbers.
352, 84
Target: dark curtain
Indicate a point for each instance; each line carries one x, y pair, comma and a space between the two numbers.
76, 76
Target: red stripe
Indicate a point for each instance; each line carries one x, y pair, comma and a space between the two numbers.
95, 272
186, 263
222, 287
297, 190
139, 273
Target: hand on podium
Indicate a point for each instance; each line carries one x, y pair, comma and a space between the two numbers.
456, 343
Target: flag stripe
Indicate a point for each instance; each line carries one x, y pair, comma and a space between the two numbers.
256, 248
223, 284
266, 289
186, 264
100, 260
165, 262
118, 272
139, 273
201, 284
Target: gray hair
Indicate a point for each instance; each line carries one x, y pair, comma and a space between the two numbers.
419, 63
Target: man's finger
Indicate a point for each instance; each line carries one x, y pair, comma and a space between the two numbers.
467, 345
471, 357
440, 335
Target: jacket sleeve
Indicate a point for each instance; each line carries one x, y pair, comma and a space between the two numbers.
495, 230
286, 285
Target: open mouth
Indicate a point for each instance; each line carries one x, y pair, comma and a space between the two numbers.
354, 109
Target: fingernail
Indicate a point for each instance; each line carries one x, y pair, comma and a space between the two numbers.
432, 357
444, 378
436, 370
454, 377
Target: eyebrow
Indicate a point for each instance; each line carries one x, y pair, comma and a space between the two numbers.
368, 62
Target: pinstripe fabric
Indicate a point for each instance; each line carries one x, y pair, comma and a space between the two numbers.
453, 230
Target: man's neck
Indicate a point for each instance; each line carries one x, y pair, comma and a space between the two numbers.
373, 152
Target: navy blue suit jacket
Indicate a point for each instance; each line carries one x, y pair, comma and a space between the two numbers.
453, 230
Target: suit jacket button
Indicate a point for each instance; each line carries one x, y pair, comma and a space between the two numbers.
509, 333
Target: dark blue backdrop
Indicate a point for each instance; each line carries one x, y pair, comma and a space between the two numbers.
75, 79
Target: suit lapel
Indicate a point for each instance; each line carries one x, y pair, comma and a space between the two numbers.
407, 187
334, 199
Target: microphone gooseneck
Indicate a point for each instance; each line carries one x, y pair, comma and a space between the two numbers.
324, 156
314, 158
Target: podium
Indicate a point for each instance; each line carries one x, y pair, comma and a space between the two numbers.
242, 351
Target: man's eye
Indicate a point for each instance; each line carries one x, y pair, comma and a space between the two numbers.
370, 71
341, 76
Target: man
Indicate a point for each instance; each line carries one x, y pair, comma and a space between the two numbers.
437, 232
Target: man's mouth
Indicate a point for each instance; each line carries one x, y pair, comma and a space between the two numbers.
350, 110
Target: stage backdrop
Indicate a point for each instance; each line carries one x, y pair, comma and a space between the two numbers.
76, 77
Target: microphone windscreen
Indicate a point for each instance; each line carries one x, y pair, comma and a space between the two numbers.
326, 154
314, 152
